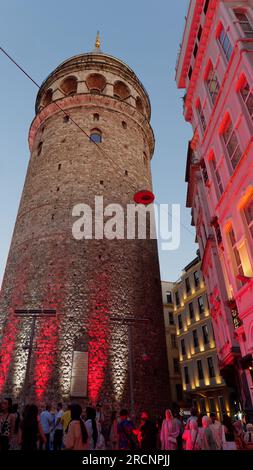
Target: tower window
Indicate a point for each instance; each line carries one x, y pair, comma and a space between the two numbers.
139, 104
121, 90
39, 150
124, 125
126, 173
69, 86
96, 83
96, 117
47, 99
66, 119
59, 166
96, 136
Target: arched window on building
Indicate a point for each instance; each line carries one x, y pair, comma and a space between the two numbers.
96, 83
47, 98
69, 86
96, 136
121, 90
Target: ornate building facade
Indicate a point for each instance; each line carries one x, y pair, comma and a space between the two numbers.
203, 384
83, 319
215, 69
176, 389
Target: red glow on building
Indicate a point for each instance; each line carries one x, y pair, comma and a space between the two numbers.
98, 332
7, 348
47, 337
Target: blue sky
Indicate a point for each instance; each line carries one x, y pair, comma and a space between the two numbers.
144, 34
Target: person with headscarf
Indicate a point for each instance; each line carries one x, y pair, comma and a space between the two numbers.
207, 441
191, 436
169, 432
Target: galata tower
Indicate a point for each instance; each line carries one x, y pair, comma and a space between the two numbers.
82, 318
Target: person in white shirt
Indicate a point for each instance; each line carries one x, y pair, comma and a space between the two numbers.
46, 421
58, 428
216, 429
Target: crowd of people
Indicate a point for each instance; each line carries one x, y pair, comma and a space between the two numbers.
72, 428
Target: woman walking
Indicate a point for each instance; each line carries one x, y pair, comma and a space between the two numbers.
31, 430
191, 436
169, 432
91, 426
76, 437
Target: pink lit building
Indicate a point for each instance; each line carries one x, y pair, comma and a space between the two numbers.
215, 67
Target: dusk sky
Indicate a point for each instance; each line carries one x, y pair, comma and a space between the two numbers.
144, 34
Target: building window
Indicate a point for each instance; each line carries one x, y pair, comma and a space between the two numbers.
200, 32
248, 211
96, 83
204, 173
48, 97
201, 305
244, 23
225, 43
205, 334
96, 117
191, 310
212, 405
177, 299
171, 318
187, 285
174, 341
202, 405
196, 279
169, 297
235, 251
247, 97
201, 116
210, 367
222, 405
39, 149
180, 323
206, 6
69, 86
179, 392
195, 338
186, 375
121, 90
183, 347
200, 370
190, 73
176, 365
139, 105
212, 84
217, 176
231, 143
96, 136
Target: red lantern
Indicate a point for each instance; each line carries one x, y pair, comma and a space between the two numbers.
144, 197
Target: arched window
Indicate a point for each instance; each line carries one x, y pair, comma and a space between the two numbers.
96, 83
139, 105
121, 90
96, 136
69, 86
96, 117
47, 98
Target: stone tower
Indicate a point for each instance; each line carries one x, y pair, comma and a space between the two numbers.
83, 319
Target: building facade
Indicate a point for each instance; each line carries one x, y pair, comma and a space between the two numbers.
83, 318
202, 381
176, 389
215, 68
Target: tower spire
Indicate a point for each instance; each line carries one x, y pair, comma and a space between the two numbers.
97, 43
